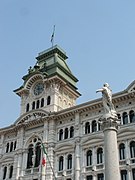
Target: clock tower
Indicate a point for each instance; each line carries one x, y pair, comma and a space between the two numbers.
49, 85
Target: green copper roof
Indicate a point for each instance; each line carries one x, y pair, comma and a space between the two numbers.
55, 49
53, 62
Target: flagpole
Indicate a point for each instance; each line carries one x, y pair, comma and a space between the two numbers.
51, 166
48, 160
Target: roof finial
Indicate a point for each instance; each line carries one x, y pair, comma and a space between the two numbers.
52, 37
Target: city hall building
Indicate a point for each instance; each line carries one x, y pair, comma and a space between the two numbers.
70, 134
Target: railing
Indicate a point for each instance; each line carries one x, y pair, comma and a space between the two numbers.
32, 170
122, 162
69, 171
89, 168
132, 160
99, 166
60, 173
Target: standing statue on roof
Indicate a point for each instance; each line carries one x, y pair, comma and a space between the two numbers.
107, 99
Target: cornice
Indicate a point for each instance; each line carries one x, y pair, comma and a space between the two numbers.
94, 105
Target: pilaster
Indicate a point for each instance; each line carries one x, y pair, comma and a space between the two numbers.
18, 155
50, 145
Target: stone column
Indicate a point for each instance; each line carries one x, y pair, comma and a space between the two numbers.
77, 146
109, 127
77, 159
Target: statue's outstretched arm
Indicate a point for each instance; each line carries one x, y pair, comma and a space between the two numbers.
99, 90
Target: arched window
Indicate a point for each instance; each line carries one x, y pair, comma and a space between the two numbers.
7, 148
14, 145
99, 155
69, 161
11, 146
64, 103
27, 107
11, 172
66, 133
37, 105
94, 126
33, 105
48, 100
132, 149
30, 154
71, 131
123, 174
89, 158
34, 153
87, 127
60, 134
4, 172
132, 116
99, 126
125, 118
42, 102
61, 163
122, 151
38, 154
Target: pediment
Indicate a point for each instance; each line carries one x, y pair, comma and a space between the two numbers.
65, 146
93, 139
7, 158
125, 131
30, 116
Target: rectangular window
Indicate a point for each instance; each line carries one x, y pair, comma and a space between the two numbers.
123, 175
100, 176
133, 174
90, 177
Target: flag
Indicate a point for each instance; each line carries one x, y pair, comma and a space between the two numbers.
43, 161
45, 153
52, 37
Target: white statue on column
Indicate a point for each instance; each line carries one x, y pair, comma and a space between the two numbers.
107, 100
109, 125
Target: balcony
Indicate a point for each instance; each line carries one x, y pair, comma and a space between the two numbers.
32, 171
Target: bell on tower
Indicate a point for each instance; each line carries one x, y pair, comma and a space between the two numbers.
50, 84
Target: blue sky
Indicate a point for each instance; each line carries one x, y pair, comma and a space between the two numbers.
97, 35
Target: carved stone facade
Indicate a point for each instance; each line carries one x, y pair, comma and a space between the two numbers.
71, 134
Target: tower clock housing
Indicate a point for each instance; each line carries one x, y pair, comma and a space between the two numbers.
50, 84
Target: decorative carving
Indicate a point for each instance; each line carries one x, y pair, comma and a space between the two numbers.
30, 70
55, 86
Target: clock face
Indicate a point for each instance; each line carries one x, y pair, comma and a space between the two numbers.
38, 89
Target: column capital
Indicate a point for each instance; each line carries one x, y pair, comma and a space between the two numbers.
109, 121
